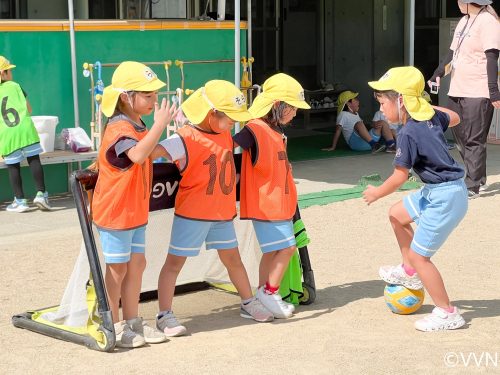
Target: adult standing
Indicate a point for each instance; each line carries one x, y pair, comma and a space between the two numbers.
473, 63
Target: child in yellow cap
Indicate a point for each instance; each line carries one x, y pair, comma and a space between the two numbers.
379, 119
120, 204
19, 140
354, 130
205, 205
268, 193
438, 207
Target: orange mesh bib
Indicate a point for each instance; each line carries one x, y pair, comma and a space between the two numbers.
267, 188
121, 195
207, 188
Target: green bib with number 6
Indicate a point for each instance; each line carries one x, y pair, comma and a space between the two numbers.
16, 126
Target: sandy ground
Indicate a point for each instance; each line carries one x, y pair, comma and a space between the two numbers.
347, 330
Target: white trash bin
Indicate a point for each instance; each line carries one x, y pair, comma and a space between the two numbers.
46, 128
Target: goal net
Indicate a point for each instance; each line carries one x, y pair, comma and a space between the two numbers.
83, 315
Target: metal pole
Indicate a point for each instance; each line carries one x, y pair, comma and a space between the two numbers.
237, 53
411, 53
277, 15
73, 62
409, 32
249, 34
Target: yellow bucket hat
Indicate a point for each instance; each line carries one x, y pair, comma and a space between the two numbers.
409, 82
220, 95
279, 87
128, 76
5, 64
343, 98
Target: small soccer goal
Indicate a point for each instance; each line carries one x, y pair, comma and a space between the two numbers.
83, 315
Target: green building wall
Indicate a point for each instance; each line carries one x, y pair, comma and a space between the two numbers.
44, 71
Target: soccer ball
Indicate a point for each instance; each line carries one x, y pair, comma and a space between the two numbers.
402, 300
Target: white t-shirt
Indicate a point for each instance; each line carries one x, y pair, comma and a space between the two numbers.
347, 120
175, 148
379, 116
469, 78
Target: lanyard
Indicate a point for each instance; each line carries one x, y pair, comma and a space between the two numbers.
463, 33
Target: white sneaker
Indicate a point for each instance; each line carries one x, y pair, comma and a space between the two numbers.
274, 303
257, 311
483, 188
290, 306
126, 338
397, 275
169, 325
440, 320
18, 205
42, 201
150, 334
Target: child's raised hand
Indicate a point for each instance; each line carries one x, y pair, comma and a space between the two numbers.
164, 112
370, 194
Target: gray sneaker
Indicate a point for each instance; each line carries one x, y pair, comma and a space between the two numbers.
42, 201
169, 325
391, 149
257, 311
471, 194
18, 205
377, 147
126, 338
150, 334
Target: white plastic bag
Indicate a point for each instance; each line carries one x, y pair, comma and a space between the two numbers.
77, 139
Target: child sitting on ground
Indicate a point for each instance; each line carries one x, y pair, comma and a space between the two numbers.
379, 121
355, 133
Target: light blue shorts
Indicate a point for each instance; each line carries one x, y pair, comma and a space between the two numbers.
436, 209
274, 235
118, 245
359, 144
187, 236
23, 153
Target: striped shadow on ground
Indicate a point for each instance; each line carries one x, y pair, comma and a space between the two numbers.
330, 196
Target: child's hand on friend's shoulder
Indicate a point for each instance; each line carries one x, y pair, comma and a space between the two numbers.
370, 194
164, 112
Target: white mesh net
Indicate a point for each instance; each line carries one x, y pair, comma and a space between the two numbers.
73, 311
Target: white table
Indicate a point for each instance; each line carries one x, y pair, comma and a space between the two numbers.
61, 157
